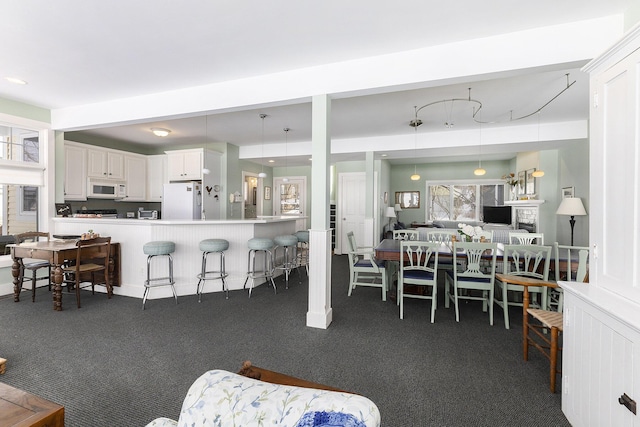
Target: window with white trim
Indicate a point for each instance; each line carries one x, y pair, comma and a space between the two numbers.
462, 200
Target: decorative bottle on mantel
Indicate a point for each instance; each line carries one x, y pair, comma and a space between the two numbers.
514, 192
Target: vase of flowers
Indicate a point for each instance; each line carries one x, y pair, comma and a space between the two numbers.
512, 181
468, 232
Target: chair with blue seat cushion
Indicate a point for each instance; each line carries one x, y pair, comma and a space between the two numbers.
477, 273
409, 234
257, 245
527, 261
519, 238
364, 268
571, 264
154, 249
33, 265
303, 249
420, 268
289, 244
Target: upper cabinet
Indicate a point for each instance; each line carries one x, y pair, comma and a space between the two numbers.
75, 172
103, 163
185, 165
156, 177
136, 177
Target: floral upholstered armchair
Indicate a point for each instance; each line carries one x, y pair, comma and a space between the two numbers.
221, 398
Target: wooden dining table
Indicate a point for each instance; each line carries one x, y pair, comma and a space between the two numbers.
389, 250
56, 252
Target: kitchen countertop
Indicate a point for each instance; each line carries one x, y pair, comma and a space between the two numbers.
262, 220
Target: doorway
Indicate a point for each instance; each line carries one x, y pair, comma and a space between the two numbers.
290, 198
251, 203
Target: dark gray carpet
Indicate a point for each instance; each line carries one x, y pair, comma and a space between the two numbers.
112, 364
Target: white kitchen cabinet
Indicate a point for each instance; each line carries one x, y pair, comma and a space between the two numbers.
75, 172
107, 164
601, 358
185, 165
156, 177
136, 177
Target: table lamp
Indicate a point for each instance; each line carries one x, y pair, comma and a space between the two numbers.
390, 213
397, 208
573, 207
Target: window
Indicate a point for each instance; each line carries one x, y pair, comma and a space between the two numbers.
19, 145
462, 201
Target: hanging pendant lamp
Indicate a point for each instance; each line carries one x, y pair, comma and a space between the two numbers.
479, 170
286, 161
415, 123
538, 172
262, 174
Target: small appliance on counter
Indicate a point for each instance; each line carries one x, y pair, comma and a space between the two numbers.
147, 214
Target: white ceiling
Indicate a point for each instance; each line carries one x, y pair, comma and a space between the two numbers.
77, 52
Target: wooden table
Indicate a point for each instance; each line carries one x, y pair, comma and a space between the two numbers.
56, 252
21, 409
389, 250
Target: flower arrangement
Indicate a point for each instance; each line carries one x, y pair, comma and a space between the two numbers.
510, 179
468, 232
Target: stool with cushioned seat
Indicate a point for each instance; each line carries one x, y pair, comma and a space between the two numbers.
264, 245
303, 249
289, 244
208, 246
153, 249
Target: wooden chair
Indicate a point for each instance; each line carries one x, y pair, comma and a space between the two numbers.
406, 235
92, 257
472, 277
566, 258
33, 265
419, 269
526, 238
364, 268
526, 261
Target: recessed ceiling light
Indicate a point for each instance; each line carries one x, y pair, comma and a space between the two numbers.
15, 80
383, 155
271, 161
160, 132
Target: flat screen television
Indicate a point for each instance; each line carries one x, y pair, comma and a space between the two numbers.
496, 214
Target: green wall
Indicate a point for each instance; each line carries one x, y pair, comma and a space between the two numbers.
27, 111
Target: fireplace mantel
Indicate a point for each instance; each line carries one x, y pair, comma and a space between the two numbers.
524, 202
525, 214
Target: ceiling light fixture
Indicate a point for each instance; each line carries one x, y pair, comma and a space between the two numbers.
15, 80
160, 132
415, 123
262, 174
480, 170
286, 161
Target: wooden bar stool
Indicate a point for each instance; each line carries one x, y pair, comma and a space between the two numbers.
207, 247
153, 249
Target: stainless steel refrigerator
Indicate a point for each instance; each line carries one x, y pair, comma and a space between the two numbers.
182, 200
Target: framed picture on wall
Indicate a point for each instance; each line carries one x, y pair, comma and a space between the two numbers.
267, 193
568, 192
408, 199
531, 182
522, 176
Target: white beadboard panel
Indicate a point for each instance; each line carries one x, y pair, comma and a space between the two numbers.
320, 312
187, 258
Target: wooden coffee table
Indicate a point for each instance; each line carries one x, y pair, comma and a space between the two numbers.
21, 409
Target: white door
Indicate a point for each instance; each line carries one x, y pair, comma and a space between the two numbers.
251, 195
289, 197
351, 209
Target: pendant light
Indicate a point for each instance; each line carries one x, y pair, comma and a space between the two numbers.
539, 172
480, 170
286, 161
262, 174
415, 123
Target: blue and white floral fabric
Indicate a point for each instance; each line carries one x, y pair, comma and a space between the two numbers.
220, 398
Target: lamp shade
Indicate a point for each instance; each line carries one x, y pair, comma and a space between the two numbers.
390, 212
571, 206
397, 208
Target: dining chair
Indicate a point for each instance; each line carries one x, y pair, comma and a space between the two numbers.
441, 236
526, 238
420, 268
364, 268
407, 234
92, 258
33, 265
472, 276
527, 261
568, 257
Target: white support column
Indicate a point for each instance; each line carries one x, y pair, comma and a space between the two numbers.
369, 235
320, 312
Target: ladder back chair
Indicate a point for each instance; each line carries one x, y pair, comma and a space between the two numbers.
91, 263
33, 265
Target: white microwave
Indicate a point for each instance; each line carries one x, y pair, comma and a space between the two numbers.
106, 190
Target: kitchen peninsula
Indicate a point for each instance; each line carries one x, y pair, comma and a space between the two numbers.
132, 234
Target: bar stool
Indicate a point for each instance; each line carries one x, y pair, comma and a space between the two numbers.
303, 249
208, 246
153, 249
289, 244
264, 245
